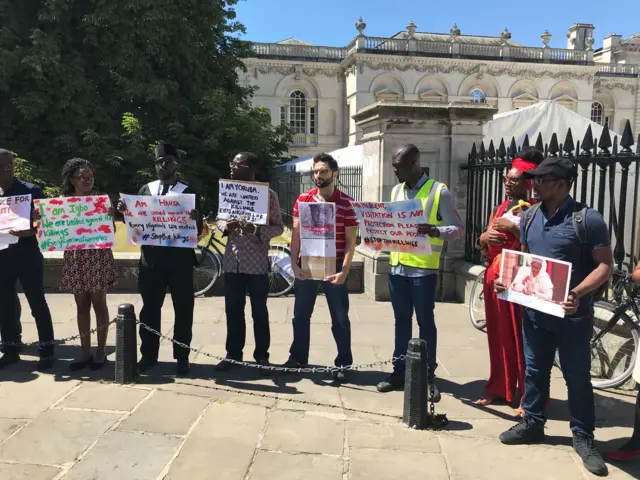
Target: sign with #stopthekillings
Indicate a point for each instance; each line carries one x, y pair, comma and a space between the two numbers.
75, 223
163, 221
248, 201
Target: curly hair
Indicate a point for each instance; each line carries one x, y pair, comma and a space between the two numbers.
69, 169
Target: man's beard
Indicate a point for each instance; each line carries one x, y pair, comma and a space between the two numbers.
323, 183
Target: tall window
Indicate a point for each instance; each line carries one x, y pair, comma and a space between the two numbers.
298, 112
597, 113
283, 115
477, 96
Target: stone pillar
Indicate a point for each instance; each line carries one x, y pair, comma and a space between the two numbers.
444, 133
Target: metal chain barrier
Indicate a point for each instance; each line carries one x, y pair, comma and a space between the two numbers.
273, 368
61, 340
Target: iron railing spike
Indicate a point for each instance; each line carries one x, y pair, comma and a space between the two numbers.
569, 146
539, 144
605, 140
587, 141
525, 143
553, 146
626, 142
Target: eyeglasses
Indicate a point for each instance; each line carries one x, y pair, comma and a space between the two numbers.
513, 180
85, 178
165, 161
237, 166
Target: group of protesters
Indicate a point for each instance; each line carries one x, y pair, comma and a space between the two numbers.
522, 341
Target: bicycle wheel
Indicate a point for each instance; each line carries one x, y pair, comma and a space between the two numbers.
614, 346
476, 303
206, 271
281, 277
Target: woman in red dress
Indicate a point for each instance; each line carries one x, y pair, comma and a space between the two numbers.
504, 319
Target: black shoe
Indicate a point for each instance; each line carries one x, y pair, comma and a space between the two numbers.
395, 381
80, 364
183, 367
291, 363
434, 393
95, 366
526, 432
225, 366
9, 358
591, 459
146, 363
265, 372
340, 376
46, 363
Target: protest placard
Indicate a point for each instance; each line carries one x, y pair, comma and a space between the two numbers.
15, 213
392, 226
75, 223
244, 200
318, 239
161, 221
7, 239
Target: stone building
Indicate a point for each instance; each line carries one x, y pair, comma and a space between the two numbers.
436, 91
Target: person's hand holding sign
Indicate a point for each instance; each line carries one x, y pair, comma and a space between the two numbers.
427, 229
498, 286
122, 207
297, 272
570, 307
36, 215
194, 214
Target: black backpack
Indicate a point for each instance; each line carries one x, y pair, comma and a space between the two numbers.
579, 221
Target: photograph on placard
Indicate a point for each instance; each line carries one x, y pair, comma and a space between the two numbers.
318, 239
245, 201
536, 282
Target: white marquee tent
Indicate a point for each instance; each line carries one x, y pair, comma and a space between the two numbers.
346, 157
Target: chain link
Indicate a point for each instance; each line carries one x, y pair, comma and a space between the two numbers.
61, 340
273, 368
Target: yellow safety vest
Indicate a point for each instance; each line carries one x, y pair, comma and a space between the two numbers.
430, 196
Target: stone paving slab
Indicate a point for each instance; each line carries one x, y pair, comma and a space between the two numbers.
287, 466
56, 437
25, 395
132, 456
299, 432
27, 472
391, 437
166, 412
8, 426
99, 396
394, 465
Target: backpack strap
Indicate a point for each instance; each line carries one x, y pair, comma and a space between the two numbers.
528, 220
579, 220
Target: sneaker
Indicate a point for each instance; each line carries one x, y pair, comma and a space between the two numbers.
183, 367
591, 459
46, 363
9, 358
527, 432
225, 366
146, 363
395, 381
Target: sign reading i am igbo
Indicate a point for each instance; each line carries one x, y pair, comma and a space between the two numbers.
75, 223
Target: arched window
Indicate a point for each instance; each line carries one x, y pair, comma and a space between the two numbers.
597, 113
298, 112
477, 96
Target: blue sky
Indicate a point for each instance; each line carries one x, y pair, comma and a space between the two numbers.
331, 22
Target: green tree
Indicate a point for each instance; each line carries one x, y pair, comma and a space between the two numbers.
107, 80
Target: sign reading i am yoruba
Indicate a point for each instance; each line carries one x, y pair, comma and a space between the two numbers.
75, 223
244, 200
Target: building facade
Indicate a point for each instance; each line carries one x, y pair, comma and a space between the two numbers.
318, 90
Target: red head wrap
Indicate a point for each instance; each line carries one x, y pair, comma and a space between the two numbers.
523, 166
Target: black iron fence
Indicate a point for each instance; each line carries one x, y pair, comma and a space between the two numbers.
290, 184
608, 181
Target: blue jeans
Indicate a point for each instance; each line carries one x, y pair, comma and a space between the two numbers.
306, 292
571, 336
409, 294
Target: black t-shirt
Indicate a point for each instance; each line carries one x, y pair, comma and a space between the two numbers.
169, 257
21, 187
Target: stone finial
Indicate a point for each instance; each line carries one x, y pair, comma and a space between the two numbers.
505, 35
455, 31
360, 26
588, 42
411, 29
546, 38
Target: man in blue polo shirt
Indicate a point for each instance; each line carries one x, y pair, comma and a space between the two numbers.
549, 231
22, 261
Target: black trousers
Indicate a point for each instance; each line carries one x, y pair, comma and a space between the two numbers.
153, 284
236, 286
27, 266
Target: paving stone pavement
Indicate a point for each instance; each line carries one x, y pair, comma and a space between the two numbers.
245, 426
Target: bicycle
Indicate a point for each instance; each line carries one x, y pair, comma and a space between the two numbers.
614, 345
209, 257
476, 303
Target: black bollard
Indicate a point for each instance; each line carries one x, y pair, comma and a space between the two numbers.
415, 384
126, 344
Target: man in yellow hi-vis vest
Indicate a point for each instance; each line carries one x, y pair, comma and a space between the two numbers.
413, 277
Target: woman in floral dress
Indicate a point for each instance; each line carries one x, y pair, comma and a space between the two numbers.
87, 273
